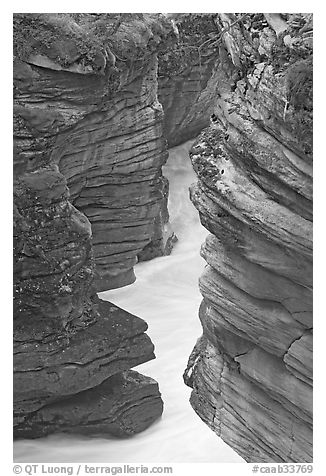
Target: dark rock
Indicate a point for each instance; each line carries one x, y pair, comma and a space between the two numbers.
122, 405
163, 238
88, 182
99, 120
45, 370
251, 371
188, 76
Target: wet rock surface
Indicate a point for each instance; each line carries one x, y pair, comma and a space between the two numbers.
88, 188
90, 200
66, 340
86, 100
122, 405
251, 371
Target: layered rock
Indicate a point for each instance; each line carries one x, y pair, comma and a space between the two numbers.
86, 100
251, 371
70, 348
188, 73
87, 176
122, 405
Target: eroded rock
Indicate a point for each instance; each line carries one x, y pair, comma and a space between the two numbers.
251, 371
88, 183
86, 100
122, 405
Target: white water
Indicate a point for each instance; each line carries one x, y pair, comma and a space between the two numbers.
166, 295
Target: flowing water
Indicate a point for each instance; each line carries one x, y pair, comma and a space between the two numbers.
166, 295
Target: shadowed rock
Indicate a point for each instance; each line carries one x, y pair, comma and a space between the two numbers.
87, 182
188, 74
86, 100
122, 405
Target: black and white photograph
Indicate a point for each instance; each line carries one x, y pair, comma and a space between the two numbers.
162, 241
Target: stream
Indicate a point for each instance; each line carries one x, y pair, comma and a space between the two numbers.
166, 295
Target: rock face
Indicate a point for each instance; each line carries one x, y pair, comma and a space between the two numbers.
188, 74
88, 183
71, 350
251, 371
86, 100
122, 405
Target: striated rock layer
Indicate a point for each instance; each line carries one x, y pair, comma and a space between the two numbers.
86, 100
87, 168
251, 370
71, 350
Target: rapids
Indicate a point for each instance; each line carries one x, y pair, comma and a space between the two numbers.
166, 295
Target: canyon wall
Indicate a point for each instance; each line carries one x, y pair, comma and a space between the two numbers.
251, 370
90, 201
89, 197
188, 73
86, 100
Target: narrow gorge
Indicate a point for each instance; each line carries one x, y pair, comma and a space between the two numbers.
99, 101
